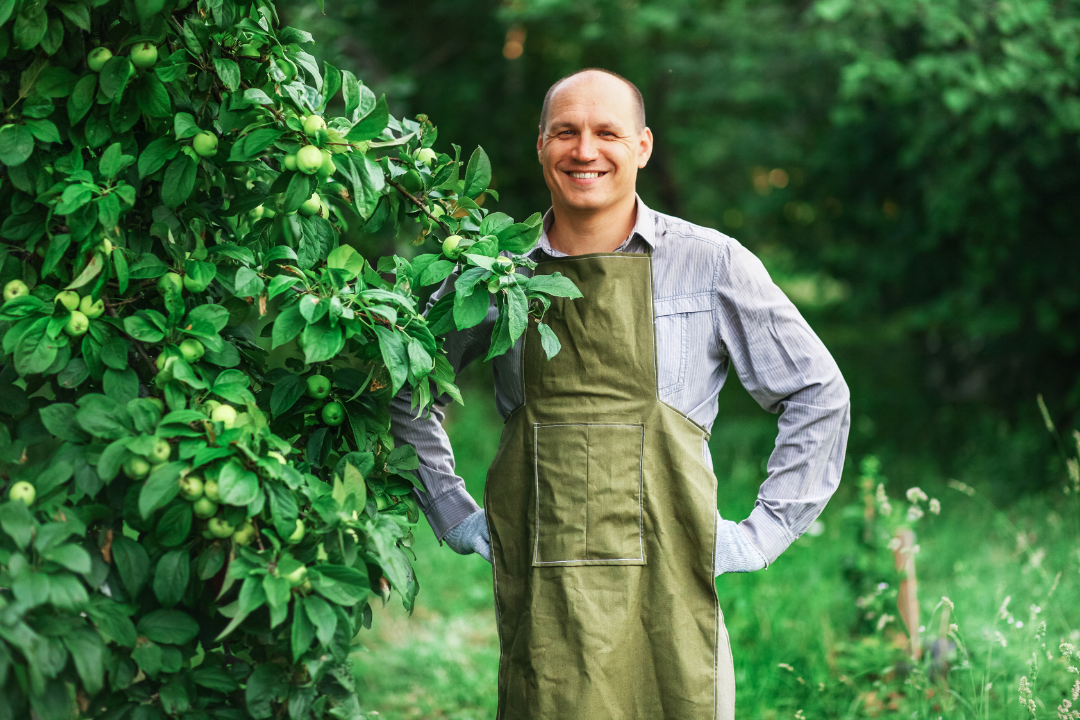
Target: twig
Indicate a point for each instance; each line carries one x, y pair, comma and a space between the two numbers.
419, 203
138, 345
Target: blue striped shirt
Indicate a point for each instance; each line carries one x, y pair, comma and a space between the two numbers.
715, 306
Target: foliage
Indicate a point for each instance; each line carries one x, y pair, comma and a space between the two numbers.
184, 532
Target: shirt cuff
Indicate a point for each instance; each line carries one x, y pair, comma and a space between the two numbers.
450, 507
767, 534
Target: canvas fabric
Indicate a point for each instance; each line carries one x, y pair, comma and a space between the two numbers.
602, 513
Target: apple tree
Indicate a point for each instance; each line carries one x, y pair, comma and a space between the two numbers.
199, 492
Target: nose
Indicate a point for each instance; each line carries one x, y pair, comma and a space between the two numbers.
585, 150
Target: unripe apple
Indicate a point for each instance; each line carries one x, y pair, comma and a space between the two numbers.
136, 467
69, 299
205, 144
452, 248
24, 491
204, 507
333, 414
244, 534
192, 350
97, 58
426, 155
311, 206
298, 533
328, 167
290, 161
258, 211
287, 68
318, 386
412, 181
503, 265
277, 456
90, 308
105, 246
77, 324
17, 288
170, 281
210, 490
313, 124
161, 451
309, 159
144, 55
297, 577
250, 50
191, 487
225, 414
220, 527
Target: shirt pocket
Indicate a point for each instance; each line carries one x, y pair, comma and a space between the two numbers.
674, 323
588, 494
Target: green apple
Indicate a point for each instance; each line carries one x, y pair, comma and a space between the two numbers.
452, 248
144, 55
170, 281
297, 577
224, 414
77, 324
328, 167
412, 182
90, 308
493, 284
24, 491
250, 50
105, 246
97, 58
211, 405
162, 450
210, 490
136, 467
69, 299
287, 68
244, 534
191, 487
311, 206
205, 144
220, 527
17, 288
309, 159
426, 155
192, 349
158, 403
204, 507
333, 413
503, 265
256, 212
277, 456
290, 161
298, 533
318, 386
313, 124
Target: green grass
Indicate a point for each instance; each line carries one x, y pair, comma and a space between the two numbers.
803, 613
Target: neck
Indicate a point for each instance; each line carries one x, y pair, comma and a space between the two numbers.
577, 232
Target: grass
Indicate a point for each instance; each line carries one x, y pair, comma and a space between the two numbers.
808, 635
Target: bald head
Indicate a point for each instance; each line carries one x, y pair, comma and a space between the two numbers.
625, 94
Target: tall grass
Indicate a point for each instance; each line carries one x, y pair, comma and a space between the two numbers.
818, 634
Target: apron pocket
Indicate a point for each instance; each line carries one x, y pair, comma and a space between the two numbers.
588, 494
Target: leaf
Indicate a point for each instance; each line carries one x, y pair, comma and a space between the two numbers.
322, 342
175, 525
82, 98
283, 508
477, 174
555, 284
156, 154
322, 617
470, 310
394, 356
216, 316
59, 419
517, 312
236, 485
172, 627
303, 632
171, 577
266, 684
287, 325
179, 181
286, 392
138, 327
103, 416
160, 488
36, 351
16, 145
15, 520
228, 71
436, 272
549, 341
88, 654
365, 179
252, 597
372, 125
248, 283
92, 270
214, 679
114, 76
72, 557
318, 237
131, 562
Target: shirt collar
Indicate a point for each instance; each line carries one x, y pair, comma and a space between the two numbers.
644, 227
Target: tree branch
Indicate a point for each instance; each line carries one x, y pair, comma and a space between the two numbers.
419, 203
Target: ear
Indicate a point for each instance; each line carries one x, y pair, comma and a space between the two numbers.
540, 145
645, 147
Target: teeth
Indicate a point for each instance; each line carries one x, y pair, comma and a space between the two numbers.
584, 175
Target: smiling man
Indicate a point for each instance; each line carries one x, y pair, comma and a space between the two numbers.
600, 507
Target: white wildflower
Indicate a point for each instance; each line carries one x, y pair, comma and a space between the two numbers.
948, 603
787, 667
916, 495
914, 512
935, 506
884, 620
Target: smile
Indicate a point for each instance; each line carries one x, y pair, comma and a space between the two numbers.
586, 175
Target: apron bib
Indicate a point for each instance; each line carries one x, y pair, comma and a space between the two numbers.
602, 517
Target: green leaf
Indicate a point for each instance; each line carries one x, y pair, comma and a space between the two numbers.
321, 342
140, 328
168, 626
283, 508
174, 525
248, 282
16, 145
160, 488
156, 154
114, 76
322, 617
372, 125
43, 130
266, 685
470, 310
102, 416
344, 257
214, 679
394, 355
286, 392
15, 520
82, 98
171, 577
236, 485
112, 621
303, 632
317, 238
72, 557
36, 351
517, 312
89, 656
30, 27
365, 180
555, 284
179, 181
121, 385
252, 597
131, 562
152, 98
228, 71
477, 174
214, 315
287, 325
549, 341
436, 272
59, 419
110, 461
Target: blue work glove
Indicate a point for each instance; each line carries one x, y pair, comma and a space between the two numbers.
734, 551
471, 536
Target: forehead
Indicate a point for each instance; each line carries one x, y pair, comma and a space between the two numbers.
593, 98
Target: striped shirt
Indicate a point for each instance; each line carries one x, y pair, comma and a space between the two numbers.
714, 306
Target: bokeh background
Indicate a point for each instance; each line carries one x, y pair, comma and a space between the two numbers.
909, 173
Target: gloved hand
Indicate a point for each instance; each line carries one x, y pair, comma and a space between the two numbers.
734, 551
471, 536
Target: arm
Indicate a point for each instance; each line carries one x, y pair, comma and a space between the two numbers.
446, 503
786, 368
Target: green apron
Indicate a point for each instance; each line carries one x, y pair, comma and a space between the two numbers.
602, 514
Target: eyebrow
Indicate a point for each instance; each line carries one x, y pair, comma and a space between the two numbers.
599, 126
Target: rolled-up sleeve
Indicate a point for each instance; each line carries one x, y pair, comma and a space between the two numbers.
445, 502
784, 365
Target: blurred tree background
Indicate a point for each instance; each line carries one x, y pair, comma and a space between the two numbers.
907, 170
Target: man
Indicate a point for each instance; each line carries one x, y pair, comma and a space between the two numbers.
600, 507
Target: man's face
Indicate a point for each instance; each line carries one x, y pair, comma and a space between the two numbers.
591, 148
